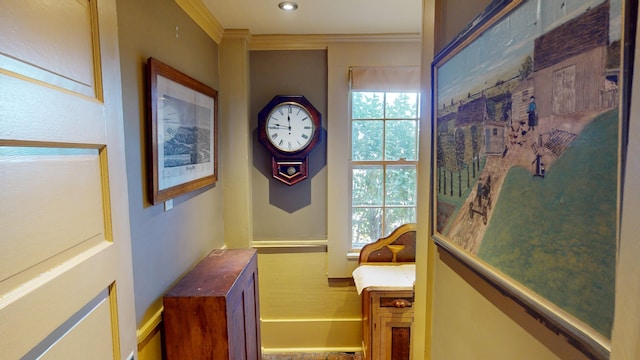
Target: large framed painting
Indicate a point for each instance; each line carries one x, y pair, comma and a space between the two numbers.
530, 108
182, 115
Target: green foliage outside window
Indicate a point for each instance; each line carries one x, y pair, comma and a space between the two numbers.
384, 154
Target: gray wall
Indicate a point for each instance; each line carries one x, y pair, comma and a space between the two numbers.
282, 212
452, 16
164, 244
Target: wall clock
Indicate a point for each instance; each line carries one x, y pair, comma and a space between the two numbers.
289, 127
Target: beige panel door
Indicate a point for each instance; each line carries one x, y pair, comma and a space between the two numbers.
66, 288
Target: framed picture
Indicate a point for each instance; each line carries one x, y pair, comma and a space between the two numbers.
530, 114
183, 115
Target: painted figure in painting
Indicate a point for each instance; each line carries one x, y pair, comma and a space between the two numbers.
531, 111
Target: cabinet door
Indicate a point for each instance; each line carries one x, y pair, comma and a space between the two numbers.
244, 317
395, 336
392, 320
252, 318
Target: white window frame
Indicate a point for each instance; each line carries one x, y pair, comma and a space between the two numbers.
341, 57
354, 250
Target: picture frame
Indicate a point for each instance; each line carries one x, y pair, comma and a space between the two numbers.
182, 131
529, 121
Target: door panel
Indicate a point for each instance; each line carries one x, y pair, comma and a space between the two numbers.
64, 31
64, 232
396, 336
73, 344
32, 111
32, 311
32, 173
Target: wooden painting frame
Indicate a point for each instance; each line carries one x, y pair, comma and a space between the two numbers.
505, 201
182, 130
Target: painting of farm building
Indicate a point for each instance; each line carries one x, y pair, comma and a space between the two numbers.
569, 65
526, 159
494, 137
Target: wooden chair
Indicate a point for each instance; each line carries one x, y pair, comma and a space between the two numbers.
398, 247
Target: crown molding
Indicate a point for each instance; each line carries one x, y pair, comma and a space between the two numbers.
203, 17
237, 34
319, 42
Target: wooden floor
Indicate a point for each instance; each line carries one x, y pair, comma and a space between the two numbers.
313, 356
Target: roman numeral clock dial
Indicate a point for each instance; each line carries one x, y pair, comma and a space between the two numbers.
289, 127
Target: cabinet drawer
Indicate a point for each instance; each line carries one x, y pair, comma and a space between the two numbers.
392, 301
396, 302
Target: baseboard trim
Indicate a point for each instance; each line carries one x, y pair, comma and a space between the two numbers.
311, 335
311, 350
312, 320
289, 335
150, 327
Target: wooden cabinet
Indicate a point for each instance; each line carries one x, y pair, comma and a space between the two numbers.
385, 278
213, 312
387, 323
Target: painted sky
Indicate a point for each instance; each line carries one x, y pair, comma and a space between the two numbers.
508, 42
176, 112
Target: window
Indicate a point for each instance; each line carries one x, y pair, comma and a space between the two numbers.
384, 158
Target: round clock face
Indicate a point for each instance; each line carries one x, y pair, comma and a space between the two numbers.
289, 127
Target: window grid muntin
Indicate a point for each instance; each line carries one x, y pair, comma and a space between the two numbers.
355, 244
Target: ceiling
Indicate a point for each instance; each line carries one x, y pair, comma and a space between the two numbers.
321, 17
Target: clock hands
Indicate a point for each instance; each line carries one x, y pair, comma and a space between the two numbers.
279, 126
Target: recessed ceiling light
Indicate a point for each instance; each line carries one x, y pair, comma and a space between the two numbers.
288, 5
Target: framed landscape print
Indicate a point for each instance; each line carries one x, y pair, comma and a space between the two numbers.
183, 132
530, 113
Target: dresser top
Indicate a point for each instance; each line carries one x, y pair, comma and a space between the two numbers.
385, 277
215, 275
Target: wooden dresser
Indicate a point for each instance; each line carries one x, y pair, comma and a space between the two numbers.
213, 312
387, 323
387, 300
